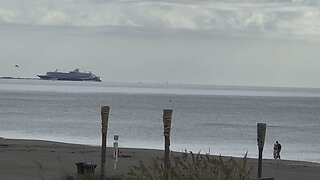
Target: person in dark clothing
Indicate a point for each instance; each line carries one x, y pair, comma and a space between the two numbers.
275, 150
278, 150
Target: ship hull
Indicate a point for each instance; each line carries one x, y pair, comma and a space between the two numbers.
44, 77
75, 75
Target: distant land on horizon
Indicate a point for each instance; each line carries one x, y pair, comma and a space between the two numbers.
10, 77
175, 84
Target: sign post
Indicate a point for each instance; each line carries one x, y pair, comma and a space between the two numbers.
104, 122
115, 150
261, 133
167, 116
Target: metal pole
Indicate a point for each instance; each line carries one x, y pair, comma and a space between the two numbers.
115, 151
104, 122
167, 116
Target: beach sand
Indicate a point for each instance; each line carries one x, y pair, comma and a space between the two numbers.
34, 159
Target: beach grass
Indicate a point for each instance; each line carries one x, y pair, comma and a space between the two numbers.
188, 166
193, 167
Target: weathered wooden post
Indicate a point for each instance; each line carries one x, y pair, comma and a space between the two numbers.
167, 116
104, 122
261, 132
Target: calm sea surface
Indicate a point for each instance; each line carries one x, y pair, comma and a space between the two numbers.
216, 119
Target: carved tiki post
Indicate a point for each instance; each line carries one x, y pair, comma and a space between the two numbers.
104, 122
261, 132
167, 116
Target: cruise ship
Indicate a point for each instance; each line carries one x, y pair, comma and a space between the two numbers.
74, 75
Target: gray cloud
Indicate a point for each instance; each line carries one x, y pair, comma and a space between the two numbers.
295, 17
237, 42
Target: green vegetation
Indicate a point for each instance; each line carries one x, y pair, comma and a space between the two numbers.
193, 167
188, 166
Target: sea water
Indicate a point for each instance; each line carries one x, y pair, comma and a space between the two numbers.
211, 119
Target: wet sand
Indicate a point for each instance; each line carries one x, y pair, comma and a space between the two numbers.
34, 159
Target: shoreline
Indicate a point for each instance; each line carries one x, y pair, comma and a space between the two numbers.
39, 159
81, 143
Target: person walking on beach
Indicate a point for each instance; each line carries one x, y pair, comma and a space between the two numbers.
275, 149
278, 150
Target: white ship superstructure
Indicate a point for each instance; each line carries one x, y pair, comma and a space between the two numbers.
74, 75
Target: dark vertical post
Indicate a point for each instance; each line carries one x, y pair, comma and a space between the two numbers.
260, 163
104, 122
167, 116
261, 132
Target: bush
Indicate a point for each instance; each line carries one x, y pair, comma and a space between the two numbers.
188, 166
193, 167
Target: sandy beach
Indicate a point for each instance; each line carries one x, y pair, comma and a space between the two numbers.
34, 159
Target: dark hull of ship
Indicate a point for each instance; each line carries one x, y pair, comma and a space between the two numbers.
44, 77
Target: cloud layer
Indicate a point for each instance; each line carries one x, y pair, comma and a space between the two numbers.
237, 42
290, 17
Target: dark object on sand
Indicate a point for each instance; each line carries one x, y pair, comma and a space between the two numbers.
83, 168
265, 178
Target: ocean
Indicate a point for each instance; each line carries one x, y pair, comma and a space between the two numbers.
211, 119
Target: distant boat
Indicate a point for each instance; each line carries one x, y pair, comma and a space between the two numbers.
74, 75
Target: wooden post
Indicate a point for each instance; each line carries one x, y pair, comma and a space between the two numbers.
261, 132
260, 163
104, 122
167, 116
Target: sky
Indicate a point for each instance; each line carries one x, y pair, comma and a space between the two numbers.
215, 42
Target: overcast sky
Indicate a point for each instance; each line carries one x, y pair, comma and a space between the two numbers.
222, 42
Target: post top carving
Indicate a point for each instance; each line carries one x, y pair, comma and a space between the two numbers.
105, 109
